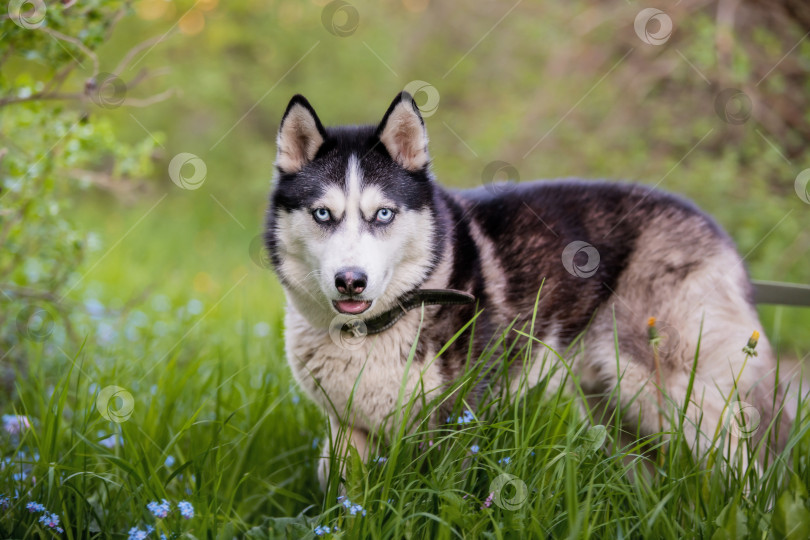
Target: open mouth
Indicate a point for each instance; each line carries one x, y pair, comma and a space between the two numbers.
351, 307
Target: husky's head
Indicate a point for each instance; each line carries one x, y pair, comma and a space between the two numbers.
352, 222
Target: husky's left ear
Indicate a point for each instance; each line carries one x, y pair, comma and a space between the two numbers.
300, 136
402, 132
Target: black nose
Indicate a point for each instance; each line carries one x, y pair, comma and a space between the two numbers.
350, 281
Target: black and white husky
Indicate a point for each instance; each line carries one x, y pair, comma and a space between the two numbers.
359, 232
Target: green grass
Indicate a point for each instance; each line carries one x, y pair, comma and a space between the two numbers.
211, 389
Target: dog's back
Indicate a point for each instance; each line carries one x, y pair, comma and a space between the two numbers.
609, 258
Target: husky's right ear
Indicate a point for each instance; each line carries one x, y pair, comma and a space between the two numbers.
299, 137
402, 132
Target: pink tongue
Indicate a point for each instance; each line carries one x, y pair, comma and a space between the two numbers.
352, 306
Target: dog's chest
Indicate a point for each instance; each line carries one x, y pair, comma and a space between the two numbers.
368, 372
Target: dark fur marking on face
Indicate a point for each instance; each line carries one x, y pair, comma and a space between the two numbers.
299, 190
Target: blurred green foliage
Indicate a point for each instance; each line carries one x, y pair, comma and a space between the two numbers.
163, 294
49, 152
555, 90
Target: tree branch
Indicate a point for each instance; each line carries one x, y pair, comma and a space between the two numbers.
138, 48
151, 100
75, 41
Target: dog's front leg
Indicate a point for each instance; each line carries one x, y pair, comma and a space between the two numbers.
336, 446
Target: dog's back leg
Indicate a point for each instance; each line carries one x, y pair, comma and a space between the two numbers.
702, 314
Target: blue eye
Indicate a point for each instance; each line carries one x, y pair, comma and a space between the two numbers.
385, 215
322, 214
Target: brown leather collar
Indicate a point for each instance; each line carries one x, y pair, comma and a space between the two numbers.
413, 299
